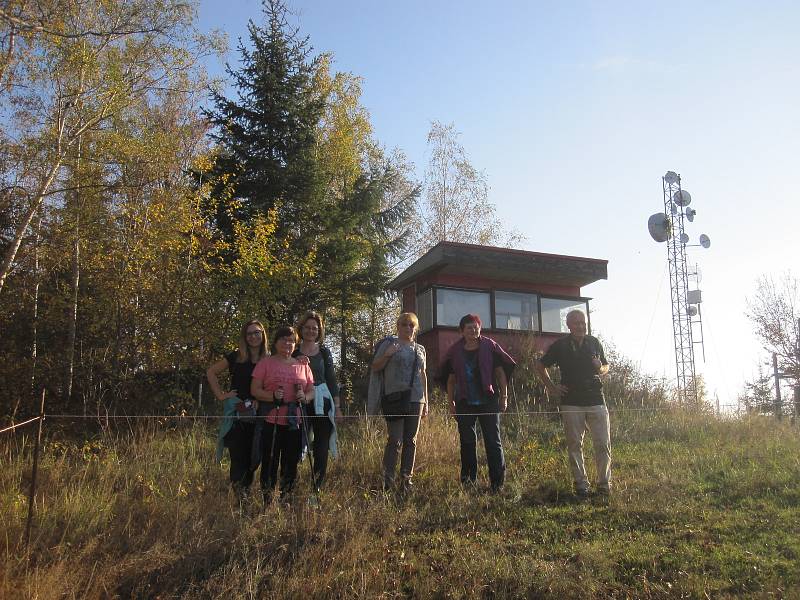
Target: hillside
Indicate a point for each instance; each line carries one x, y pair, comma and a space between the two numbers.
701, 508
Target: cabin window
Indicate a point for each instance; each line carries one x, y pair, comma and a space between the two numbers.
425, 310
555, 310
451, 305
516, 311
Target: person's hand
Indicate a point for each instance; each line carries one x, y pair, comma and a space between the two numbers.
424, 410
557, 390
278, 394
299, 394
392, 349
230, 394
503, 403
338, 416
244, 407
453, 409
596, 363
302, 359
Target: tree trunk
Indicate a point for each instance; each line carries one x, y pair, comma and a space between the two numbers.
36, 202
345, 369
72, 315
35, 319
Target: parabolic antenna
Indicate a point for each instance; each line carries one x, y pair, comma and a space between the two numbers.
690, 213
691, 310
684, 238
659, 227
671, 177
705, 241
682, 198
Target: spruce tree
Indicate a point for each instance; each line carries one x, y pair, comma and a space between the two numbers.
266, 135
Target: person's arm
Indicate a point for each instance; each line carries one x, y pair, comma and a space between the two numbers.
259, 393
502, 383
424, 376
381, 361
308, 390
257, 385
599, 361
541, 371
451, 393
330, 380
212, 374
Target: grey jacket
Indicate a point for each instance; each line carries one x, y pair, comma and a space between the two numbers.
396, 374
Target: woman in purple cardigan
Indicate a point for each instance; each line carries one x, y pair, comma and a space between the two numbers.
476, 370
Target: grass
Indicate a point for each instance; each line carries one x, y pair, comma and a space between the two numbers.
701, 508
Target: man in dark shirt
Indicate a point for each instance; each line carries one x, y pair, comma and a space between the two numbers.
582, 363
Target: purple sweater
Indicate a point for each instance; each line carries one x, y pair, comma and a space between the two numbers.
487, 349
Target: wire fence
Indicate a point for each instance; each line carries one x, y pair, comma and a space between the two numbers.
15, 426
344, 417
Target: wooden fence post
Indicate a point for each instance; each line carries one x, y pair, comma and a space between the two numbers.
34, 471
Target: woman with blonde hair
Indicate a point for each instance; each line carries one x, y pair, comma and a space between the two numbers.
399, 373
237, 434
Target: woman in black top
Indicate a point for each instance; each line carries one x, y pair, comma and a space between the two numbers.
240, 364
326, 403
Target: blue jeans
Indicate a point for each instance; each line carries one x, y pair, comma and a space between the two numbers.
489, 416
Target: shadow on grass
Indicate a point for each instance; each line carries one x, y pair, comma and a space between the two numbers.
551, 494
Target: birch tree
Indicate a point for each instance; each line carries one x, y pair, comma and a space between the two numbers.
455, 203
77, 70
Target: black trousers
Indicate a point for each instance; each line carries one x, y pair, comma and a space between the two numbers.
286, 455
239, 441
488, 415
323, 428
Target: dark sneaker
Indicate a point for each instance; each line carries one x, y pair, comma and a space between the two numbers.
406, 486
603, 491
582, 493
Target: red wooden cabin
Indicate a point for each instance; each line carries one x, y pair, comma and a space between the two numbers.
515, 292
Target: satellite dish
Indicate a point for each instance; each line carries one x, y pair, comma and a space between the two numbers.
684, 238
671, 177
705, 241
690, 213
682, 198
659, 227
691, 310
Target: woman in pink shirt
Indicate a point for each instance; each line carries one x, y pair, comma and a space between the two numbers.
280, 384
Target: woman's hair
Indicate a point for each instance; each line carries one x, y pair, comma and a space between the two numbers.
410, 317
469, 319
244, 354
311, 314
282, 331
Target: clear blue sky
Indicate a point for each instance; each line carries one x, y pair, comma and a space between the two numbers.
574, 111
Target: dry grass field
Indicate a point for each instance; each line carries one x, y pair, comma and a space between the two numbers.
702, 508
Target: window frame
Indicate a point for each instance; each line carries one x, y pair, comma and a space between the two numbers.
489, 325
576, 299
537, 314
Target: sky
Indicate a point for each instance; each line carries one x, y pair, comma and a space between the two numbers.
574, 111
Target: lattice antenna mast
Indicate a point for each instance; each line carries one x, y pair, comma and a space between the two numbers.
679, 288
669, 227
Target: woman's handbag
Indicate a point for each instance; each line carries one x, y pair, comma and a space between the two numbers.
398, 404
